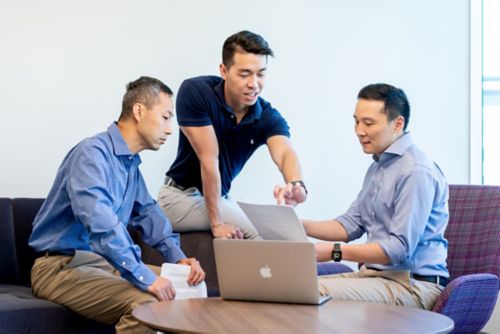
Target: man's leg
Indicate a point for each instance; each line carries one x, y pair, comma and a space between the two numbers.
90, 286
186, 211
383, 287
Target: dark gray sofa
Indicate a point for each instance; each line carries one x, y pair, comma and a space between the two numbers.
21, 312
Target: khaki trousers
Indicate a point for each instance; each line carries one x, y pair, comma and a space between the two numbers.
87, 284
187, 212
383, 287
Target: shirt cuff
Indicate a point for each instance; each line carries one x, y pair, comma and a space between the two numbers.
142, 278
173, 255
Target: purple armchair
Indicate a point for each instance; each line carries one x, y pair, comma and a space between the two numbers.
473, 234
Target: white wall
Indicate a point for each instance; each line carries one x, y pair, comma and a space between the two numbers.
64, 65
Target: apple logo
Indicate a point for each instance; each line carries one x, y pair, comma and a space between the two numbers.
265, 272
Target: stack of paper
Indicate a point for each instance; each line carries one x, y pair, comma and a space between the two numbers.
178, 274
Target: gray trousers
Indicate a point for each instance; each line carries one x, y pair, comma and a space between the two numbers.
382, 287
87, 284
187, 212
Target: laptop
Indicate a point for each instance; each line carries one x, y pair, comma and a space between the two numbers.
267, 271
275, 222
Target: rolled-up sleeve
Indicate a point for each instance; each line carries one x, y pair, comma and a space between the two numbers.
351, 220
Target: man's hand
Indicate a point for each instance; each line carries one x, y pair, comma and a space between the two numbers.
227, 231
162, 289
196, 275
290, 194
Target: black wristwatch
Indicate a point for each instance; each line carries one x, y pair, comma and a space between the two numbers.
301, 183
336, 252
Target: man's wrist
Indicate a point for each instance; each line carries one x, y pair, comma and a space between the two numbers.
299, 182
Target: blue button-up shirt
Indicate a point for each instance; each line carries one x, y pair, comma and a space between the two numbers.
97, 192
403, 206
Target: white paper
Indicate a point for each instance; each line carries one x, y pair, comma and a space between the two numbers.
178, 274
275, 222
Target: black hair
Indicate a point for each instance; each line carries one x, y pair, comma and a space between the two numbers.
245, 41
145, 90
395, 100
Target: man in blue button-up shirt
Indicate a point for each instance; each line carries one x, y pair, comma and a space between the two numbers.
91, 264
402, 208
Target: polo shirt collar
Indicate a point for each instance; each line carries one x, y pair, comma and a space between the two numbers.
398, 148
120, 147
254, 112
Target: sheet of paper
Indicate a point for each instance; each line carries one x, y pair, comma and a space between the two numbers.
275, 222
178, 274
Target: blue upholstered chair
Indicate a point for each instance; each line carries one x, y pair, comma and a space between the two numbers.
473, 234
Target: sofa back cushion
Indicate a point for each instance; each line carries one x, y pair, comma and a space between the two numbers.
24, 211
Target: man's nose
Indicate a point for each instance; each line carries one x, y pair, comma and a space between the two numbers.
359, 130
252, 81
168, 128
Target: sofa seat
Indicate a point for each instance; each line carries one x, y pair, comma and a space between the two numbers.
22, 312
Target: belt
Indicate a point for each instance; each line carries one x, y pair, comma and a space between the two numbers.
169, 182
59, 253
432, 279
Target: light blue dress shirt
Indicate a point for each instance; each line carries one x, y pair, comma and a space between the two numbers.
97, 192
403, 206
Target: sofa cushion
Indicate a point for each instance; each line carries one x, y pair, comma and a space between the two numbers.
21, 312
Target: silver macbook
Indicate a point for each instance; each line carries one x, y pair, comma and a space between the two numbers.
275, 222
267, 271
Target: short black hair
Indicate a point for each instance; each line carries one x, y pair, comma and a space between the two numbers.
145, 90
246, 41
395, 100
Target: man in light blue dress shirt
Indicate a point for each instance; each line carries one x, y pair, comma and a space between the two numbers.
90, 263
402, 208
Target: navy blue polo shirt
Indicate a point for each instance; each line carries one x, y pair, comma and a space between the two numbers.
200, 102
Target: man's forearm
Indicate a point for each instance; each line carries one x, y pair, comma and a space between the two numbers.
365, 253
290, 167
212, 192
330, 230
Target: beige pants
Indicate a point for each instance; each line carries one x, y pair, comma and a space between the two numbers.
383, 287
187, 212
87, 284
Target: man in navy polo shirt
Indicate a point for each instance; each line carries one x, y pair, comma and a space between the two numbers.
223, 121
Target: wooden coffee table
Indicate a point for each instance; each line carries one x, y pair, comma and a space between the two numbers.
214, 315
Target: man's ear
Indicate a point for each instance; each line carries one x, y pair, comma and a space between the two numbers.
223, 71
399, 123
137, 111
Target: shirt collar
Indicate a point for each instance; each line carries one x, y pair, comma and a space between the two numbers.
120, 147
254, 112
398, 148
